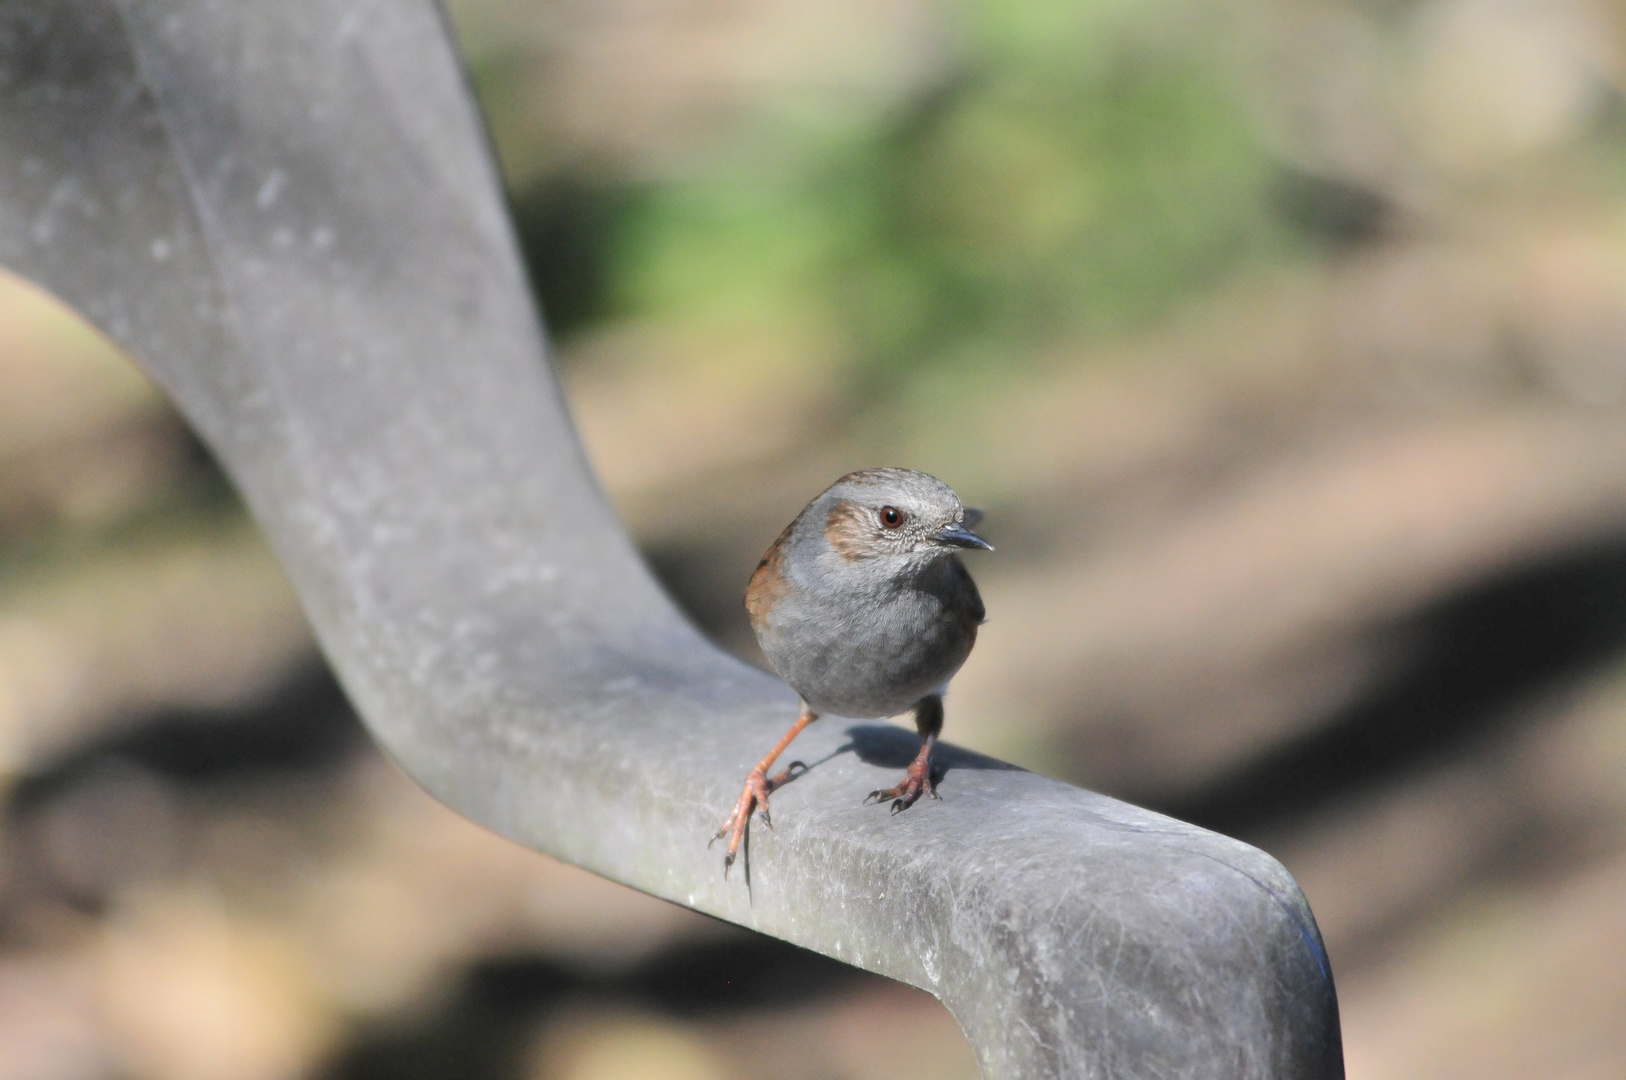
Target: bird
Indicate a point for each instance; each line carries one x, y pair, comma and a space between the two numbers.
863, 606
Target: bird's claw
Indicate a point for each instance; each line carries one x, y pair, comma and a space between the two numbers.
903, 796
915, 783
758, 785
753, 799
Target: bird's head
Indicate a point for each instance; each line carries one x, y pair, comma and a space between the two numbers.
895, 512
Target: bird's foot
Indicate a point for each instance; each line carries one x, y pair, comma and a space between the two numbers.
758, 786
915, 783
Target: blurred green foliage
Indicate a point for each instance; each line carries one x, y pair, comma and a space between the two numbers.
1081, 167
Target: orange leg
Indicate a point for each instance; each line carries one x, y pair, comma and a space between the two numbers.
918, 780
757, 787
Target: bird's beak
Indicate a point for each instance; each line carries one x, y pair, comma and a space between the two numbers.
955, 534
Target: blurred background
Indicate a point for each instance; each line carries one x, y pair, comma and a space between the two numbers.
1284, 342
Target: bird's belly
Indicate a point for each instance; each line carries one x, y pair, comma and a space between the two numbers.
879, 661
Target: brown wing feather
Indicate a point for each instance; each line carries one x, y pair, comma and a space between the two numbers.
767, 583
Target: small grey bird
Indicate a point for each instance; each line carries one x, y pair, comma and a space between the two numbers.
864, 608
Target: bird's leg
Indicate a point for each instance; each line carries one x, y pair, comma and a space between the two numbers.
918, 780
757, 786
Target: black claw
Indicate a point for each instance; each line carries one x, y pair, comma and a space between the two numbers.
766, 820
728, 860
898, 806
793, 766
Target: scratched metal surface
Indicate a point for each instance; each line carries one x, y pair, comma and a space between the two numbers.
286, 210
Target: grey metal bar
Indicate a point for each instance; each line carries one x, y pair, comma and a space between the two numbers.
285, 209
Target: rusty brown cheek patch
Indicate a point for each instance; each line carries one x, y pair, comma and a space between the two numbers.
848, 531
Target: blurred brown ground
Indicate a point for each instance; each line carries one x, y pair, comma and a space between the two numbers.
1327, 552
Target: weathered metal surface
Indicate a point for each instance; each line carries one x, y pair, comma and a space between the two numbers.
285, 209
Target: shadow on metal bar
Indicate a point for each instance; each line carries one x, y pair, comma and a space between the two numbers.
286, 210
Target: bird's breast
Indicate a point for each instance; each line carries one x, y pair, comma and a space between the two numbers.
865, 647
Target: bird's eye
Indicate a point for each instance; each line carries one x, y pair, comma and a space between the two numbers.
891, 517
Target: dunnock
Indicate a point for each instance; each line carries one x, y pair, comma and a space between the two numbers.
864, 608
